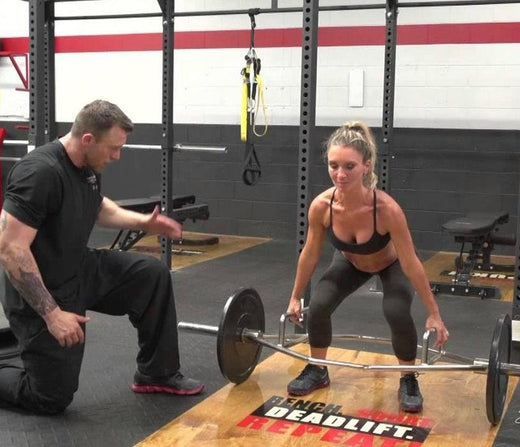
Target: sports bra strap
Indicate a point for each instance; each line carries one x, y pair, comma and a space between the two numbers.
375, 206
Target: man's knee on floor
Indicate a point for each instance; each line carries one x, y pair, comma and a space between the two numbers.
51, 405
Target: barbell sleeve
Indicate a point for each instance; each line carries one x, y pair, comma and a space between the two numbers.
199, 328
511, 369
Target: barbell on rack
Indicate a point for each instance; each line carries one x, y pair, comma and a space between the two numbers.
176, 147
240, 338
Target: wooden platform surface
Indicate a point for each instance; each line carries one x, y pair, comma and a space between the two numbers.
454, 409
445, 261
189, 254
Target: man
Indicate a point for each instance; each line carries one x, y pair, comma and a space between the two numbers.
51, 205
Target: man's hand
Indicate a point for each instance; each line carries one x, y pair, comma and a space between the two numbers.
159, 224
65, 326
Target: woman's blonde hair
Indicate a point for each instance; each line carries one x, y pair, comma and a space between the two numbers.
358, 135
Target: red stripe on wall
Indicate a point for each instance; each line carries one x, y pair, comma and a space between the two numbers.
439, 34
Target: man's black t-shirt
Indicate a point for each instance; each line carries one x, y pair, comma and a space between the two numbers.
47, 192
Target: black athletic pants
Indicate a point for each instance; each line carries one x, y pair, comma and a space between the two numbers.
112, 282
340, 280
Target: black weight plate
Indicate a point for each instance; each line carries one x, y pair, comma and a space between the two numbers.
236, 358
496, 385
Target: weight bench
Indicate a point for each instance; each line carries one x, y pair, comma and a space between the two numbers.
481, 231
183, 208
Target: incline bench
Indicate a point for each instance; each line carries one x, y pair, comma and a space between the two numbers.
479, 230
183, 208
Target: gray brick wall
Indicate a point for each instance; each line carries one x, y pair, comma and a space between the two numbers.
435, 174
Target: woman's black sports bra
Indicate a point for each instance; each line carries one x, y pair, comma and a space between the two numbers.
373, 245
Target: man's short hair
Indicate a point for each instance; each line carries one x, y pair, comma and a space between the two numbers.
98, 117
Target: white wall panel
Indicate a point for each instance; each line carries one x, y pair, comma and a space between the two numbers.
459, 14
126, 78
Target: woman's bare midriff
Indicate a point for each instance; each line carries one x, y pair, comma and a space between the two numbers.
374, 262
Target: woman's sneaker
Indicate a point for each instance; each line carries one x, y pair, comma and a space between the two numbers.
311, 378
410, 398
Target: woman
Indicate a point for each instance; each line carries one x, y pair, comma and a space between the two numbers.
369, 230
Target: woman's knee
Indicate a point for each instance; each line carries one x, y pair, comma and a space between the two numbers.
319, 325
397, 305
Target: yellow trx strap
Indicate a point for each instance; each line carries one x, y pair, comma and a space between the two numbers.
245, 102
261, 100
252, 96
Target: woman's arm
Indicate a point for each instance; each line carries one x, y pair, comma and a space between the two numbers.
309, 257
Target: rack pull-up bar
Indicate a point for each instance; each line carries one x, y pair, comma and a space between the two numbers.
455, 3
434, 3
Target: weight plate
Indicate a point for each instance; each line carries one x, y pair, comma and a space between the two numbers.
496, 386
237, 358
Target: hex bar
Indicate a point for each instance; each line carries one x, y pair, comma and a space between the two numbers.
368, 338
283, 341
254, 336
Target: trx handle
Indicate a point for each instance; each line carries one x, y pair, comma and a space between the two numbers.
252, 86
252, 169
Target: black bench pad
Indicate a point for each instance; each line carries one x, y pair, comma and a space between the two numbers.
475, 224
147, 204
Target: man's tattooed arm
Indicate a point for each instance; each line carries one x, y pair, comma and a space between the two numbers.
30, 286
23, 272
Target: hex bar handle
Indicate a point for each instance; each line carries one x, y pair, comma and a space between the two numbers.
283, 325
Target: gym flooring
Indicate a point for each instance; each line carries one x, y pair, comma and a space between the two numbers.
105, 412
